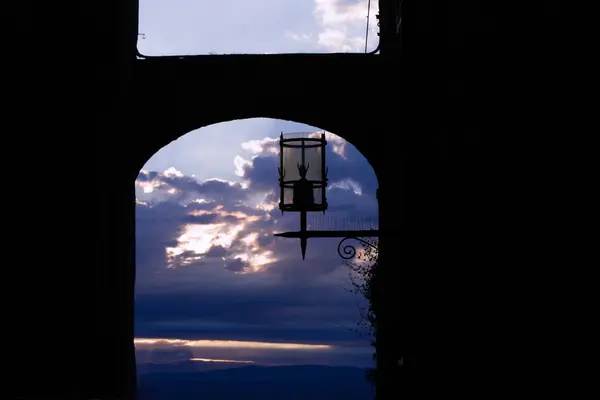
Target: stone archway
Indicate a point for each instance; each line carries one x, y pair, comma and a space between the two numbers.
165, 105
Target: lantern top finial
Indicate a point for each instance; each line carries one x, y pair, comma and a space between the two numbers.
302, 170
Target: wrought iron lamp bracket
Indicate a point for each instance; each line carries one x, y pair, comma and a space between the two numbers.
349, 251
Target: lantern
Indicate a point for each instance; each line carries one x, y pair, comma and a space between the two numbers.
303, 184
302, 172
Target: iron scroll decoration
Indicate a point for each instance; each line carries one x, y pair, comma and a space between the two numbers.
349, 251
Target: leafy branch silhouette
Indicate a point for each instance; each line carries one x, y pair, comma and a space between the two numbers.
363, 276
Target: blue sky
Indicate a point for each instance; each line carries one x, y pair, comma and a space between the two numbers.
185, 27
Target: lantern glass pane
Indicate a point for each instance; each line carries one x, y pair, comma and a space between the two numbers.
292, 156
318, 195
288, 196
298, 152
312, 157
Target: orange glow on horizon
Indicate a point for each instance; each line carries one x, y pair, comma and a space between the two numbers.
221, 361
233, 344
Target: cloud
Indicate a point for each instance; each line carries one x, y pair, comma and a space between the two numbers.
173, 182
157, 351
343, 24
261, 26
209, 266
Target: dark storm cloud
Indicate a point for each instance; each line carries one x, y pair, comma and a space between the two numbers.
262, 173
284, 313
273, 197
236, 265
258, 306
148, 176
217, 251
210, 219
294, 300
352, 166
156, 229
222, 292
161, 354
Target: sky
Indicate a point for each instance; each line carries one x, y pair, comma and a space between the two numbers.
213, 283
193, 27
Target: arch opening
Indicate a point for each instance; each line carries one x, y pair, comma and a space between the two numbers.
216, 291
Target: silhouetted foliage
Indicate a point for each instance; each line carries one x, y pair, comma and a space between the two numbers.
364, 282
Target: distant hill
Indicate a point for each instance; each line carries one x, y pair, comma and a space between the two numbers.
183, 366
306, 382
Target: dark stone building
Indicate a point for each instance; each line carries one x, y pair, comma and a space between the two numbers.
427, 136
